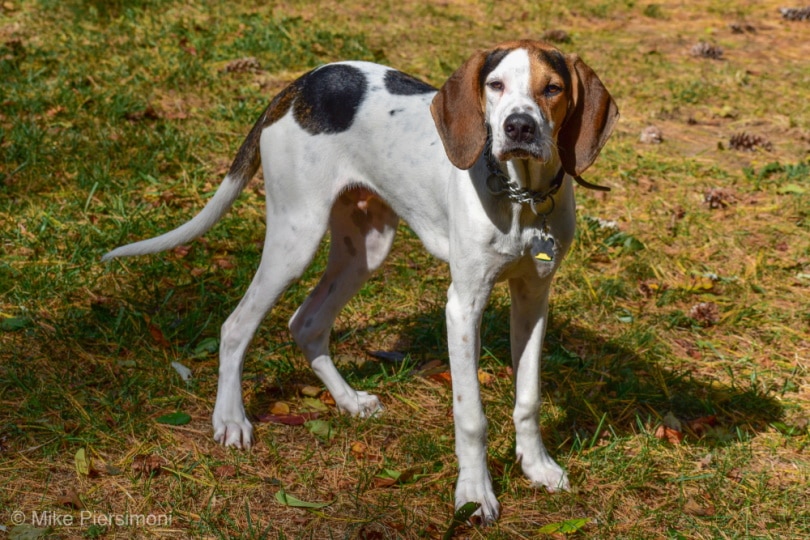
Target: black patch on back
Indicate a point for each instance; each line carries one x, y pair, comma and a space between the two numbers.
556, 60
328, 98
491, 62
402, 84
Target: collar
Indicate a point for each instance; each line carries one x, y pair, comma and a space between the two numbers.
499, 183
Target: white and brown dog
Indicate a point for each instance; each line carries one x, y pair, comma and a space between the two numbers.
481, 170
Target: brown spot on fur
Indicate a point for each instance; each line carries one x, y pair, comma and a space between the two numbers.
548, 67
248, 158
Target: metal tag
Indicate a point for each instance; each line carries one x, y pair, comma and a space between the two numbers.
542, 247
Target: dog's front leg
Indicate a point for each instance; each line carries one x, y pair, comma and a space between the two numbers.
465, 305
527, 328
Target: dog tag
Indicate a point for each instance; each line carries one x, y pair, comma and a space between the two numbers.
543, 248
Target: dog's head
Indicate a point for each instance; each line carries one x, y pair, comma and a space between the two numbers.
531, 98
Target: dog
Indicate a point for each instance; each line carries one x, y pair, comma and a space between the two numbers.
482, 170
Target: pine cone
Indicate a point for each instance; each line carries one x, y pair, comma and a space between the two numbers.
651, 135
795, 14
706, 50
719, 198
742, 28
745, 142
242, 65
705, 313
557, 36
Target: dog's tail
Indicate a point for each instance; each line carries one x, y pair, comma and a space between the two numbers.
244, 166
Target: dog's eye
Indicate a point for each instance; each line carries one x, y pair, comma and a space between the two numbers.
552, 90
496, 86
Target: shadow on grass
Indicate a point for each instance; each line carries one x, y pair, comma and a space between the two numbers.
598, 381
602, 381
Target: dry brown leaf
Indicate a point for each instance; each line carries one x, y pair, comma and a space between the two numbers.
694, 508
157, 335
181, 251
224, 264
288, 419
672, 436
384, 482
700, 426
224, 471
327, 399
444, 377
485, 378
146, 464
358, 449
70, 499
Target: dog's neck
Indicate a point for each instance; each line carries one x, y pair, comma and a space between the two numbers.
534, 175
526, 182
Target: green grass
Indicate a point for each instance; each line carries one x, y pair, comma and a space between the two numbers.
118, 120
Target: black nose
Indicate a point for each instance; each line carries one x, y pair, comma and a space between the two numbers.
520, 128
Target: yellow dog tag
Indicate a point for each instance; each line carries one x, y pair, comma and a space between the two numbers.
542, 248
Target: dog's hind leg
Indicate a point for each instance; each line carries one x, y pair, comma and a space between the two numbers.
292, 238
363, 228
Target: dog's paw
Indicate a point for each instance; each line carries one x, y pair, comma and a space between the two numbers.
236, 433
361, 404
548, 475
478, 491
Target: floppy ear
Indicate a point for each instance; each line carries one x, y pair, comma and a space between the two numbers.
459, 115
589, 121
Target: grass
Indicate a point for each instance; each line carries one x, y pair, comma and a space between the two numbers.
117, 121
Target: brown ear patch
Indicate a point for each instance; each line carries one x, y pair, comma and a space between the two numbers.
589, 121
459, 113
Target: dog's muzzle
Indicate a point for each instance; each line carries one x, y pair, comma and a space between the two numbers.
522, 137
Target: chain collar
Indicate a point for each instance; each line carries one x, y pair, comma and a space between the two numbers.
499, 183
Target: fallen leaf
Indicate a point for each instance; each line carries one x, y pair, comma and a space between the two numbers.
694, 508
668, 434
26, 531
157, 335
568, 526
82, 462
358, 449
700, 426
288, 419
389, 356
224, 471
313, 404
442, 377
53, 111
288, 500
485, 378
174, 419
146, 464
327, 399
70, 499
181, 251
12, 324
182, 370
310, 391
460, 517
279, 407
321, 429
205, 347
